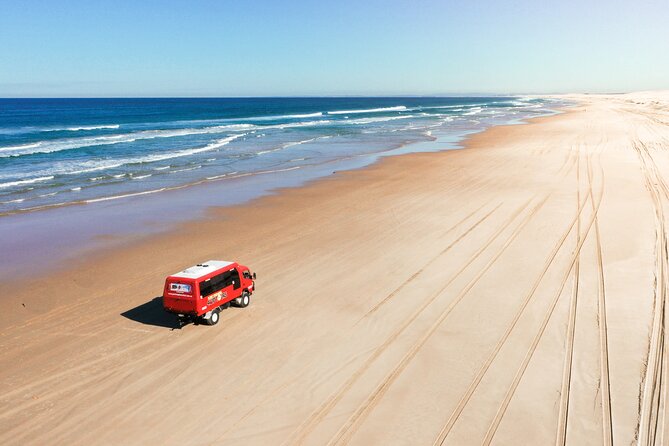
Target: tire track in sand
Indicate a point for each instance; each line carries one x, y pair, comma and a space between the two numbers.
565, 389
344, 434
605, 383
492, 429
653, 385
348, 429
462, 403
664, 378
299, 435
565, 164
433, 259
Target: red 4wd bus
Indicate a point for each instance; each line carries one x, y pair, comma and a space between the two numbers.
201, 291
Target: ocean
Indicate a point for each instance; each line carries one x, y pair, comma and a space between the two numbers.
57, 152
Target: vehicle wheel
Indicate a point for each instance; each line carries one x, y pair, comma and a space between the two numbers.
244, 300
213, 319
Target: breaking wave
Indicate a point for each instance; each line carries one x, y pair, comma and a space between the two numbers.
76, 143
28, 181
83, 167
83, 127
368, 110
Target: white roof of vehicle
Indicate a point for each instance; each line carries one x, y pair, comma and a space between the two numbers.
202, 269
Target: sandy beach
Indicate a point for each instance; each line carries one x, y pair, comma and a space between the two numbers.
512, 292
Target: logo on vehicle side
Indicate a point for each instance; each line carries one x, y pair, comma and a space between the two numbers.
216, 297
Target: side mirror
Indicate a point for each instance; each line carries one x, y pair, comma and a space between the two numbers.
254, 276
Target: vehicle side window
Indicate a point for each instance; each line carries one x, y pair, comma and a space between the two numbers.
236, 283
231, 279
216, 283
220, 281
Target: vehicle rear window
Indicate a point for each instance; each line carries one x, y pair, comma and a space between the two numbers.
180, 288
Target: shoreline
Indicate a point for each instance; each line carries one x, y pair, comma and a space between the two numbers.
254, 142
134, 226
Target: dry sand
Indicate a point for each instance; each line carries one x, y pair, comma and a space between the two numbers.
510, 293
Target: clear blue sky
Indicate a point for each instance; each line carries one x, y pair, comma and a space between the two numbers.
325, 47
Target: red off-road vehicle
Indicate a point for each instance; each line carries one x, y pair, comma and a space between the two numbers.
200, 292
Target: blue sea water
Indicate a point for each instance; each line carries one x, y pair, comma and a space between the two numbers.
54, 152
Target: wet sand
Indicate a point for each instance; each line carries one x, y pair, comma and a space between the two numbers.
510, 293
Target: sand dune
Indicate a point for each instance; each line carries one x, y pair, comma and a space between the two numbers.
510, 293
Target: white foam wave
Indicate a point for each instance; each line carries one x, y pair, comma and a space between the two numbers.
368, 110
306, 115
116, 197
185, 170
296, 124
374, 120
28, 181
216, 177
455, 106
76, 143
277, 117
139, 177
180, 153
21, 147
27, 130
230, 174
79, 167
96, 167
83, 127
297, 143
92, 141
289, 144
153, 191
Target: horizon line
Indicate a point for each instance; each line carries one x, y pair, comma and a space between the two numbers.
445, 95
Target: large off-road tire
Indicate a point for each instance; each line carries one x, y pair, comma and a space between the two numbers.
244, 300
213, 319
